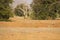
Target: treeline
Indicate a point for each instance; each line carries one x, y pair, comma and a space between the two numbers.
46, 9
42, 9
39, 9
5, 9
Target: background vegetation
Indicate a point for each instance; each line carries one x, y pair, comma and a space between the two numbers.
46, 9
5, 9
38, 9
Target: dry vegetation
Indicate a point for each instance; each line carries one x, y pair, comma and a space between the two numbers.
31, 23
25, 23
30, 36
35, 35
21, 22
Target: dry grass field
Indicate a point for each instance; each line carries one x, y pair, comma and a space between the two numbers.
32, 23
21, 22
17, 33
22, 34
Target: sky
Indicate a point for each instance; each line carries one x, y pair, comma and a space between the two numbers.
16, 2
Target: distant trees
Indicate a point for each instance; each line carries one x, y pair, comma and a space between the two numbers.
19, 10
45, 9
22, 10
5, 9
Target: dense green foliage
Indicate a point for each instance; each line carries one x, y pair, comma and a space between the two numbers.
46, 9
5, 9
19, 10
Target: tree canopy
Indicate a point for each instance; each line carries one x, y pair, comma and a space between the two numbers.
46, 9
19, 10
22, 10
5, 9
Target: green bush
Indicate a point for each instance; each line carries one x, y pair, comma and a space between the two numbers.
5, 9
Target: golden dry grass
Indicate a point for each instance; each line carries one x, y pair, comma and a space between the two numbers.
27, 23
35, 35
21, 22
32, 23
